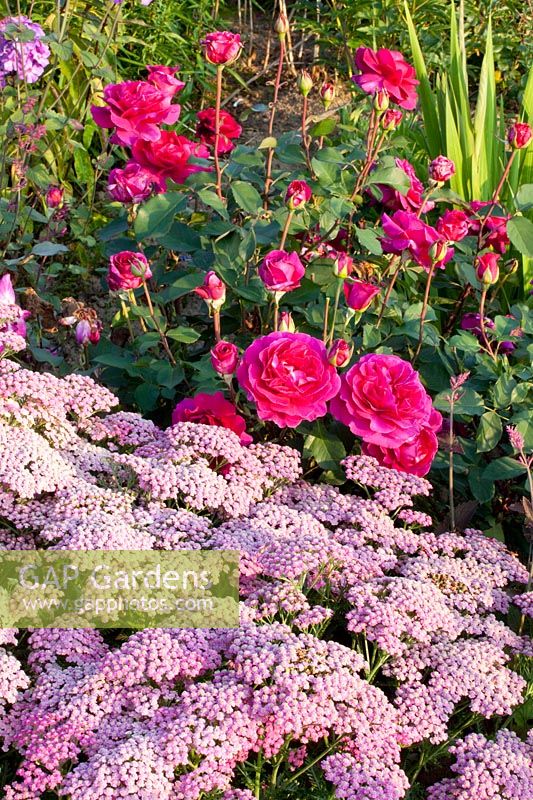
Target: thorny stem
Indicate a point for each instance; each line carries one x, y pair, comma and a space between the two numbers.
340, 282
484, 337
305, 138
495, 197
424, 310
217, 130
326, 319
286, 229
395, 261
276, 313
162, 336
372, 132
270, 156
133, 301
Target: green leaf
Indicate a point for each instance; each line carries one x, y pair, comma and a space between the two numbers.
63, 50
368, 238
470, 403
502, 391
326, 448
520, 393
489, 432
181, 287
212, 200
524, 197
155, 217
390, 176
503, 469
247, 197
323, 128
520, 232
146, 396
83, 167
183, 334
482, 488
268, 143
114, 360
48, 249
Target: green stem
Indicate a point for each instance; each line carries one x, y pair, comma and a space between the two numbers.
270, 156
218, 170
314, 761
424, 310
162, 336
340, 281
258, 768
286, 229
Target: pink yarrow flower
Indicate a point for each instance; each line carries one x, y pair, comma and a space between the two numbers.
405, 232
212, 409
386, 69
289, 378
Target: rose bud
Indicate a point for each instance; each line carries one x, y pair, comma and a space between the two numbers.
54, 197
133, 184
391, 119
298, 194
340, 353
281, 271
286, 323
519, 135
327, 94
304, 83
222, 47
487, 269
381, 100
359, 294
127, 270
213, 291
342, 265
453, 225
83, 332
441, 169
224, 358
281, 25
438, 251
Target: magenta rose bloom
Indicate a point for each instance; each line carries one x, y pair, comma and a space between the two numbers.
212, 409
127, 270
441, 169
472, 322
130, 184
288, 377
453, 226
164, 78
413, 200
359, 294
386, 69
414, 456
169, 157
222, 47
281, 271
519, 135
229, 129
135, 109
224, 358
406, 232
494, 226
298, 194
382, 400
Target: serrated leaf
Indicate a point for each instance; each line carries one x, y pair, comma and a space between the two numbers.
155, 217
520, 232
247, 197
183, 334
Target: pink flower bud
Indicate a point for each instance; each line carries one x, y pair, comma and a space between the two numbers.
441, 169
83, 332
222, 47
298, 194
305, 82
391, 119
519, 135
487, 269
127, 270
438, 250
327, 94
381, 100
213, 291
54, 197
224, 358
359, 294
342, 265
340, 353
515, 437
286, 323
281, 25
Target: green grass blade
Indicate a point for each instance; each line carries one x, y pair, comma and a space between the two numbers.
486, 166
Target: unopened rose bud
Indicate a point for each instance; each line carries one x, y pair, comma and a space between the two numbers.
54, 197
359, 295
519, 135
340, 353
438, 250
305, 82
224, 357
487, 269
83, 332
281, 25
511, 266
342, 265
286, 323
213, 291
327, 94
391, 119
381, 100
441, 169
297, 195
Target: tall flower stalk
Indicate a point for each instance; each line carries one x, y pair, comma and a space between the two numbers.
281, 27
218, 101
454, 396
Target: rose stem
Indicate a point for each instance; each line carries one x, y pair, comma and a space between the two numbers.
133, 301
326, 318
482, 323
270, 156
424, 310
305, 139
217, 130
340, 281
286, 229
394, 260
216, 324
162, 336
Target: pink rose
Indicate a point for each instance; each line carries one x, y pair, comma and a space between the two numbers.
340, 353
494, 226
127, 270
441, 169
213, 291
131, 184
288, 377
386, 69
342, 262
54, 196
413, 200
359, 294
212, 409
169, 157
8, 298
281, 271
487, 269
520, 135
391, 119
229, 129
453, 226
165, 79
414, 456
222, 47
135, 109
224, 357
298, 194
406, 232
382, 400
